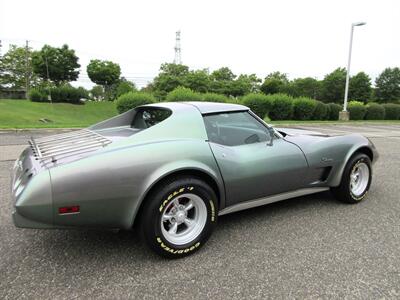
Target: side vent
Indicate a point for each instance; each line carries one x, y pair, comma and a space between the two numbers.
319, 175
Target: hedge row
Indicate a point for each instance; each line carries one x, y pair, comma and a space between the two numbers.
275, 107
63, 93
373, 111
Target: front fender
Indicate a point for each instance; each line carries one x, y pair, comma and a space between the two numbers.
360, 144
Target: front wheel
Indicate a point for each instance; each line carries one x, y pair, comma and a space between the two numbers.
179, 216
356, 180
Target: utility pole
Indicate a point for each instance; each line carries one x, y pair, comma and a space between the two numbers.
48, 78
26, 69
178, 59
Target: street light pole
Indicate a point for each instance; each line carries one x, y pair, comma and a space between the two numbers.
344, 115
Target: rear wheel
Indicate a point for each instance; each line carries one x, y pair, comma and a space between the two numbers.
178, 217
356, 180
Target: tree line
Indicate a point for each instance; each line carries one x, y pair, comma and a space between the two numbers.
23, 69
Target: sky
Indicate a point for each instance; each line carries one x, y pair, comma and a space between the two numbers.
299, 38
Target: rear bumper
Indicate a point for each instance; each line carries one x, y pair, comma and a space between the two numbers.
31, 193
22, 222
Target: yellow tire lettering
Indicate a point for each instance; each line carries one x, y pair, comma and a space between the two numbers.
170, 196
176, 251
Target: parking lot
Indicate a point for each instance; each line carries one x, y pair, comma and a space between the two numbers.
307, 247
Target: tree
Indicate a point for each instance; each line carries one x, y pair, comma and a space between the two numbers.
303, 87
223, 74
360, 87
198, 81
170, 77
244, 85
124, 86
222, 80
59, 65
388, 85
103, 72
14, 69
333, 86
274, 83
97, 92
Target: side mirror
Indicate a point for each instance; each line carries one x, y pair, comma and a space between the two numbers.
271, 132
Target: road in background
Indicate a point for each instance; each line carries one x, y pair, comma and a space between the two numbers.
308, 247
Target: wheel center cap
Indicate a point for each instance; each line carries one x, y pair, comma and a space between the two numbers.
180, 216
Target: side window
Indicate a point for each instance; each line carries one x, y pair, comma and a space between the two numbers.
147, 117
234, 129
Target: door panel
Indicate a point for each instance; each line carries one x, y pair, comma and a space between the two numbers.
256, 170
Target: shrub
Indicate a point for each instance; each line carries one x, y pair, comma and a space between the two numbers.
282, 107
334, 110
303, 108
328, 111
260, 104
375, 112
133, 99
183, 94
67, 93
37, 95
357, 110
321, 111
392, 111
213, 97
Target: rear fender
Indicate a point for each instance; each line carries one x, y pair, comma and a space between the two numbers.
176, 167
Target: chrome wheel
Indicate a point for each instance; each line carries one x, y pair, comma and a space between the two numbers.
359, 179
183, 219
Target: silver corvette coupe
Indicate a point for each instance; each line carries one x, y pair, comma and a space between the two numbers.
170, 169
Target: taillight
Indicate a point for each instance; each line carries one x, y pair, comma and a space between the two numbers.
68, 210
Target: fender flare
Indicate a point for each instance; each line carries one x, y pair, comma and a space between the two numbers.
366, 147
167, 170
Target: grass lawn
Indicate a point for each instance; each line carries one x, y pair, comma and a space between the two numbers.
26, 114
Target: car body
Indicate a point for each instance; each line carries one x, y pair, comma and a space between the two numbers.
102, 175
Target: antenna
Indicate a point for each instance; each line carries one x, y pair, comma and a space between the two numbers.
178, 59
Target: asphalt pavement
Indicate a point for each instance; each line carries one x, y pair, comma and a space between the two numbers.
308, 247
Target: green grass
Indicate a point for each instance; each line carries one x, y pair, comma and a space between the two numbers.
26, 114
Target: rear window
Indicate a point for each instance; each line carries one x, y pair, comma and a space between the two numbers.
149, 116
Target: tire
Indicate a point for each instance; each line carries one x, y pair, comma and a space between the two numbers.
352, 190
188, 208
